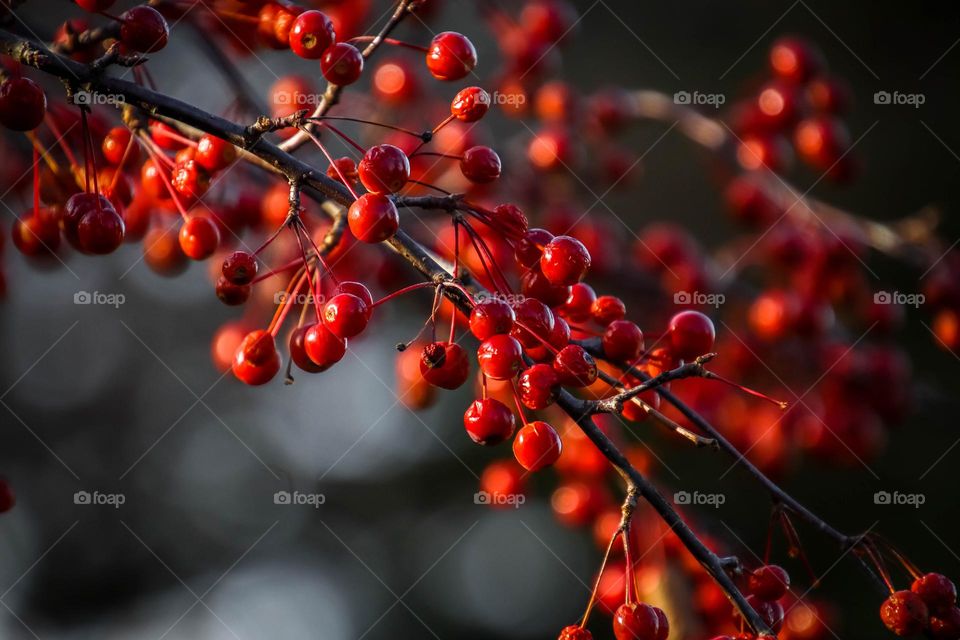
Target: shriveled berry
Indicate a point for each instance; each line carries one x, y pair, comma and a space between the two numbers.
240, 267
444, 365
575, 632
537, 386
536, 446
470, 104
488, 421
574, 366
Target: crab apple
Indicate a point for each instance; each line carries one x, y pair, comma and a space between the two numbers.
622, 341
232, 294
536, 446
470, 104
534, 322
551, 150
575, 632
500, 357
501, 480
256, 361
115, 144
904, 613
214, 154
770, 612
311, 34
384, 169
22, 104
373, 218
240, 267
480, 165
189, 179
795, 60
607, 309
530, 247
691, 334
143, 29
96, 226
663, 624
343, 170
346, 315
635, 621
488, 421
936, 590
199, 236
162, 252
357, 289
323, 348
34, 235
565, 260
444, 365
769, 582
575, 367
944, 625
490, 317
510, 219
534, 284
451, 56
538, 386
297, 344
342, 64
578, 303
395, 82
821, 141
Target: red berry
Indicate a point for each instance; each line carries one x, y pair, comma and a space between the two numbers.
534, 284
575, 367
143, 29
115, 145
22, 104
500, 357
490, 317
451, 56
199, 237
607, 309
622, 341
256, 360
214, 154
384, 169
100, 229
769, 582
35, 235
534, 322
343, 170
530, 247
537, 386
346, 315
635, 621
357, 289
77, 206
311, 34
663, 624
152, 181
945, 625
904, 613
691, 334
298, 350
565, 260
189, 179
162, 253
470, 104
575, 632
936, 590
444, 365
232, 294
795, 60
7, 498
579, 302
240, 267
373, 218
510, 219
821, 141
488, 421
536, 446
322, 347
342, 64
480, 164
770, 612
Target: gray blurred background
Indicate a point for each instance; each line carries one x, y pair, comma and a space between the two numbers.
126, 401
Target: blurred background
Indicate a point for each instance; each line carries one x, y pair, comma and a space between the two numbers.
125, 401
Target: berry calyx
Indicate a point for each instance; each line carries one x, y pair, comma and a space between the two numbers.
444, 365
488, 421
346, 315
311, 34
565, 261
323, 347
199, 237
256, 361
143, 29
22, 104
384, 169
500, 357
691, 334
373, 218
342, 64
470, 104
635, 621
240, 267
451, 56
490, 317
480, 165
536, 446
904, 613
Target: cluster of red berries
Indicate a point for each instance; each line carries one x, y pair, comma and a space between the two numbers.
928, 607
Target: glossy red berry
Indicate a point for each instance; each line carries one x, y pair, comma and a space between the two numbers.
22, 104
298, 350
529, 248
323, 348
945, 625
214, 154
199, 237
534, 322
346, 315
451, 56
607, 309
143, 29
795, 60
565, 260
342, 64
622, 341
500, 357
663, 624
691, 334
480, 164
574, 366
115, 145
488, 421
936, 590
189, 179
904, 613
536, 446
240, 267
770, 612
769, 582
537, 386
470, 104
373, 218
232, 294
256, 361
311, 34
510, 219
99, 229
34, 235
357, 289
579, 303
635, 621
444, 365
575, 632
384, 169
490, 317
